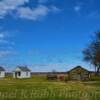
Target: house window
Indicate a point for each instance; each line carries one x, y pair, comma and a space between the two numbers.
26, 73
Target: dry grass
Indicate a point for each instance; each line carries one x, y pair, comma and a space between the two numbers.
38, 88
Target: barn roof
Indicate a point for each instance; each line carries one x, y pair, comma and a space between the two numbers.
2, 69
77, 68
24, 68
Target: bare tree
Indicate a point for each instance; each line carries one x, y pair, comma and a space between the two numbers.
92, 52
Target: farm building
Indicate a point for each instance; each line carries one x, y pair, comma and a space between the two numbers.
2, 72
22, 72
78, 73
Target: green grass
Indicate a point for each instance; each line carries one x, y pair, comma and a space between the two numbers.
38, 88
95, 78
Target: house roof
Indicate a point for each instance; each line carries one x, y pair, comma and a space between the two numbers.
23, 68
2, 69
77, 68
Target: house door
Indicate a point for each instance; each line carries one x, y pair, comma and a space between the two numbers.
78, 77
17, 74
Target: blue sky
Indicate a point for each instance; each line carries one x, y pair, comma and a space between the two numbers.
46, 35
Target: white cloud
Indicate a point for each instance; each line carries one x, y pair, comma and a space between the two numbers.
5, 41
2, 35
7, 53
36, 13
77, 8
8, 5
6, 45
55, 9
32, 14
2, 41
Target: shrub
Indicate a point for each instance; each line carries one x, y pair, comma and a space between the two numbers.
66, 78
95, 78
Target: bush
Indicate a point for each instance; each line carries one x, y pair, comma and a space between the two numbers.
66, 78
95, 78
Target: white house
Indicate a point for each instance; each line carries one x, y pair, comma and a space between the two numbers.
22, 72
2, 72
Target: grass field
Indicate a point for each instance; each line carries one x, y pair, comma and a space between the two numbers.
38, 88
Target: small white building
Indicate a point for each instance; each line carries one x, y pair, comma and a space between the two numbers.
2, 72
22, 72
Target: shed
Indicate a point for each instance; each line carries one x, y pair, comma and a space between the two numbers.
2, 72
78, 73
21, 72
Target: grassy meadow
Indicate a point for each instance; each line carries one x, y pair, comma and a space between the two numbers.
38, 88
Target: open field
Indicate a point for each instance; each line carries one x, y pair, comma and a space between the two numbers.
38, 88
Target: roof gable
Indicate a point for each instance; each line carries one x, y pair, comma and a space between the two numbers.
22, 68
78, 67
2, 69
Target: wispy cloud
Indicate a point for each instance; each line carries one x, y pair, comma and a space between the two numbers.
32, 14
2, 38
50, 67
36, 13
94, 14
7, 7
55, 9
2, 35
6, 53
6, 45
42, 1
77, 8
